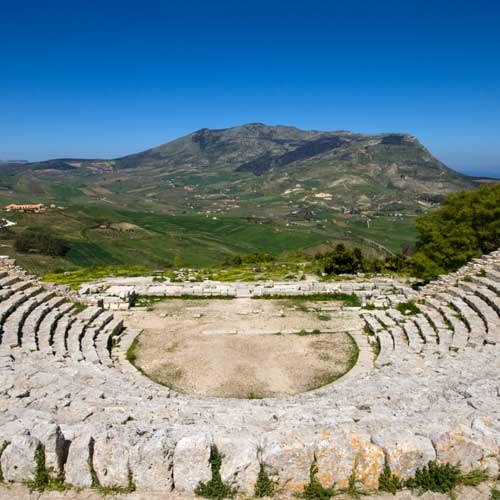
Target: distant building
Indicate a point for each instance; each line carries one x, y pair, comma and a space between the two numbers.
37, 207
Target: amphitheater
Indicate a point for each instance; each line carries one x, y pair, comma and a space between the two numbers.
428, 390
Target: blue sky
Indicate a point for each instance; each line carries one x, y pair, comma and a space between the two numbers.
106, 78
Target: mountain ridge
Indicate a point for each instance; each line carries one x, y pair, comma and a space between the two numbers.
278, 166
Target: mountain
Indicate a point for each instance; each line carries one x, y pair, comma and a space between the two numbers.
253, 170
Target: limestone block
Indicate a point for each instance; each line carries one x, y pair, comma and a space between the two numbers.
19, 459
111, 460
344, 451
151, 462
287, 458
55, 446
462, 445
192, 462
77, 471
240, 464
405, 451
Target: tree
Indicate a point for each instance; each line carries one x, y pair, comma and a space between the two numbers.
466, 226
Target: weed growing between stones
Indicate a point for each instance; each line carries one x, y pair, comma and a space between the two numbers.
473, 478
389, 482
130, 355
495, 494
443, 478
376, 347
408, 308
43, 481
324, 317
78, 307
2, 449
112, 490
314, 490
215, 488
264, 486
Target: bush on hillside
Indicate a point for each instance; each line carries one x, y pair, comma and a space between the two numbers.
466, 226
42, 242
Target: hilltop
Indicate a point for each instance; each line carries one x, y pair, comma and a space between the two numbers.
282, 170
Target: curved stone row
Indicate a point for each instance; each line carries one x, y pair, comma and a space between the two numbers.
67, 390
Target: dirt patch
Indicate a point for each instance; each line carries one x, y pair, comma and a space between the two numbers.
235, 348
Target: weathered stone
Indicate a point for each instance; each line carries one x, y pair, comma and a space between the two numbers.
19, 459
405, 451
345, 453
240, 464
77, 469
192, 462
461, 445
287, 458
151, 462
111, 460
54, 444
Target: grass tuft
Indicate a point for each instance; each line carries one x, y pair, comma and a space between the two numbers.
264, 487
215, 488
389, 482
408, 308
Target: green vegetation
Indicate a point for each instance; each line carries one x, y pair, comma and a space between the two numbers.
43, 480
350, 300
388, 481
215, 488
78, 276
149, 300
408, 308
40, 241
2, 449
314, 490
131, 355
116, 490
443, 478
344, 260
466, 226
495, 494
264, 486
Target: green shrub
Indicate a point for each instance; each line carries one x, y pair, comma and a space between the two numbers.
464, 227
215, 488
43, 481
314, 490
409, 308
389, 482
495, 494
473, 478
264, 487
440, 478
41, 241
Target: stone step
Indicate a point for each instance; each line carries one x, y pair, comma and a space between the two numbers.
460, 331
48, 325
15, 300
415, 341
104, 339
8, 281
386, 343
29, 340
14, 322
429, 335
484, 293
487, 282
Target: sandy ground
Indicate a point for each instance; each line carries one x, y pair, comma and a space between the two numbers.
234, 348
